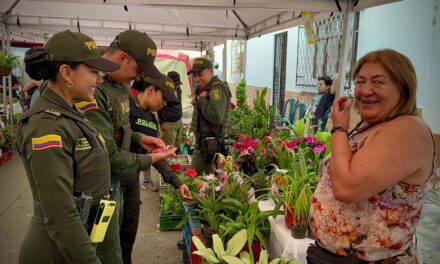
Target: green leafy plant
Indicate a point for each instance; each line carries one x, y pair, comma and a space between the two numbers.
8, 61
218, 254
240, 94
171, 202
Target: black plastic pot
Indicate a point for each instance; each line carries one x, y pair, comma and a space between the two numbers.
299, 232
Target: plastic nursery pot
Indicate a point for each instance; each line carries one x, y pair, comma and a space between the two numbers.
207, 233
299, 232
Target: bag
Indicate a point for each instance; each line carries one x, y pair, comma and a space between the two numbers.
318, 255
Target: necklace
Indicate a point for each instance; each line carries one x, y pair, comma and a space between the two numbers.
361, 127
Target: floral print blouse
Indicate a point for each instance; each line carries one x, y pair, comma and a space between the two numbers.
378, 230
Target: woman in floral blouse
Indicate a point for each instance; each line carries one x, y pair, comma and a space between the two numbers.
369, 200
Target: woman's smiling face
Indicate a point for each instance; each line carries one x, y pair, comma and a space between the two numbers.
377, 94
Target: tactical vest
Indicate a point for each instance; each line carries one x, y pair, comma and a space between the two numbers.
204, 127
91, 168
119, 110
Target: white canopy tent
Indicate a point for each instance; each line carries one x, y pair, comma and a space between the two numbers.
173, 24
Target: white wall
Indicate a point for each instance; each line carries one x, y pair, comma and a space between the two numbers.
407, 27
260, 59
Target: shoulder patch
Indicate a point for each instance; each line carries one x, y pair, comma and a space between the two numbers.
215, 94
48, 141
85, 106
82, 144
53, 112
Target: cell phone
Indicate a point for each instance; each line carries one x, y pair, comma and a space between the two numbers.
102, 220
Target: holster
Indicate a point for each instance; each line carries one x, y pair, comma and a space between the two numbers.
211, 145
319, 255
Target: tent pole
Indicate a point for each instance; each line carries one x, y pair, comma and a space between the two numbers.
345, 48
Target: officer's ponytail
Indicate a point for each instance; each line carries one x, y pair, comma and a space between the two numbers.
38, 67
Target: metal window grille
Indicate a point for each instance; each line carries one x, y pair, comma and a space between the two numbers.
321, 59
237, 59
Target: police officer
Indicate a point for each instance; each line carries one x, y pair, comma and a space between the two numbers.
170, 117
210, 120
153, 95
64, 155
135, 52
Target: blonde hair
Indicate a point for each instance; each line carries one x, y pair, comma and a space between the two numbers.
401, 70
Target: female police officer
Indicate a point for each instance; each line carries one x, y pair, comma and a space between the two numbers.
63, 154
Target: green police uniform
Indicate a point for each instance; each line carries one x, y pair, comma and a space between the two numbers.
210, 115
64, 156
110, 114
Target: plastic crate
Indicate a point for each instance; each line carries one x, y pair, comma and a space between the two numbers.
190, 229
169, 222
6, 155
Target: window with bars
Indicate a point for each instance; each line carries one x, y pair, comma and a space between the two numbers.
322, 58
237, 59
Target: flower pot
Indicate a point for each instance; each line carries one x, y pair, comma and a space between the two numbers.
5, 71
256, 249
288, 216
207, 233
299, 232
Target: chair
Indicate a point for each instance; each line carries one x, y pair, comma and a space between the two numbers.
292, 110
302, 108
324, 119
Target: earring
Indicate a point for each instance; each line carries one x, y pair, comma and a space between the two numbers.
69, 84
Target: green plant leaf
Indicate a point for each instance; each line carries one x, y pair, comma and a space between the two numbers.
199, 244
232, 260
218, 246
236, 243
264, 257
244, 256
208, 256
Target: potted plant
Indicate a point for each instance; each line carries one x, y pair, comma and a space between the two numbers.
302, 212
7, 62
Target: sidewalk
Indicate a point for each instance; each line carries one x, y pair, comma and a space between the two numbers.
152, 246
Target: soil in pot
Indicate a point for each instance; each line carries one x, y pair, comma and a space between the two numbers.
299, 232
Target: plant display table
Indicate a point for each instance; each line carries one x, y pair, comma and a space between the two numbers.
281, 243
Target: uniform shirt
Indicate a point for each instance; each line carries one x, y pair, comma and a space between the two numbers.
142, 121
145, 122
99, 114
48, 147
214, 109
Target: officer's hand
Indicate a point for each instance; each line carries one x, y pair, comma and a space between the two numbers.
204, 93
151, 143
171, 151
185, 192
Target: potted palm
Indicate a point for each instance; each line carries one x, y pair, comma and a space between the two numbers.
7, 62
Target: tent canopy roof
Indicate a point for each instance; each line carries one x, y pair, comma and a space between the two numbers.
174, 24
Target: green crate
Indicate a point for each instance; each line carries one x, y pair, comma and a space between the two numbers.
169, 222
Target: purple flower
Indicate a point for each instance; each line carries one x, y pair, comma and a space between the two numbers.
319, 148
310, 140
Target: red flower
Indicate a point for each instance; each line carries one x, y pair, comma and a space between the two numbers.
267, 139
233, 106
241, 136
191, 173
176, 167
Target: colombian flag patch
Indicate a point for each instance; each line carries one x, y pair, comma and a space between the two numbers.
85, 106
48, 141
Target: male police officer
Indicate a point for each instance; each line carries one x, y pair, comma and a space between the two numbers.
210, 120
109, 112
